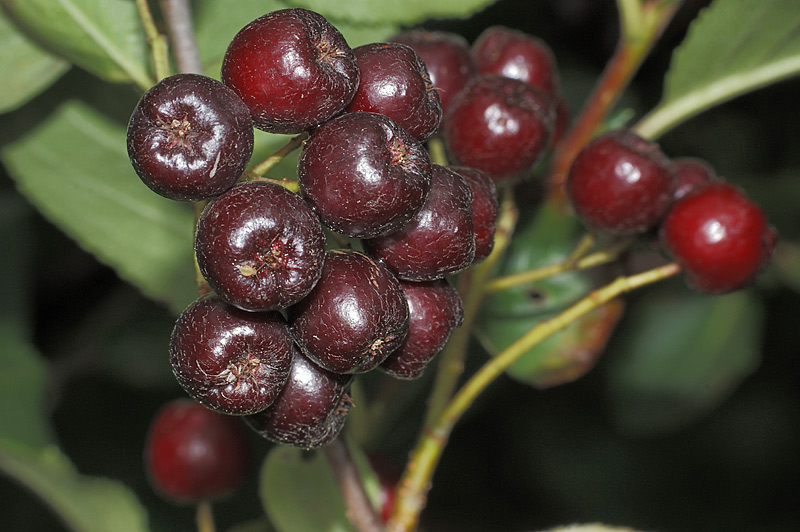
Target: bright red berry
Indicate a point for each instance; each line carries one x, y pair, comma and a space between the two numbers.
719, 236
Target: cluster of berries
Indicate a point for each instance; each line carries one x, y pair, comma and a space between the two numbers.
291, 318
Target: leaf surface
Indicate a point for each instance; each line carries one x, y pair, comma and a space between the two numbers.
74, 168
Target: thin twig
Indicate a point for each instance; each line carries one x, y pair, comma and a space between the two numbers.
178, 15
267, 164
204, 517
359, 508
158, 44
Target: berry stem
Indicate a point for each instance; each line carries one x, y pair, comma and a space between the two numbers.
641, 24
178, 15
416, 482
472, 284
204, 517
437, 151
267, 164
157, 41
585, 262
359, 508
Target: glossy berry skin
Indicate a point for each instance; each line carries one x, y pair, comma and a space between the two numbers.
230, 360
260, 246
621, 184
692, 173
447, 58
190, 137
439, 240
485, 208
395, 82
514, 54
499, 125
193, 454
292, 69
364, 175
311, 409
435, 309
719, 237
355, 316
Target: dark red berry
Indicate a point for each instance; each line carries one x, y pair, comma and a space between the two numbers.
621, 184
435, 309
311, 409
260, 246
394, 82
292, 68
364, 175
692, 172
355, 316
230, 360
194, 454
190, 137
446, 57
499, 125
719, 237
485, 208
440, 238
514, 54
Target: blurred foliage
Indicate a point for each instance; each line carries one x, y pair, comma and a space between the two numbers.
690, 419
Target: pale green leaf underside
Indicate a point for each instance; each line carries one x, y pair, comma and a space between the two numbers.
735, 46
86, 504
75, 169
25, 69
102, 36
410, 12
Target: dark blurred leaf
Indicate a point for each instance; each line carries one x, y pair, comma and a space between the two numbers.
300, 493
710, 66
25, 68
86, 504
681, 355
75, 169
103, 36
412, 11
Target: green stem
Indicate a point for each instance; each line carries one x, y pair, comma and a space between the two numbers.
204, 517
416, 482
158, 43
267, 164
472, 285
603, 256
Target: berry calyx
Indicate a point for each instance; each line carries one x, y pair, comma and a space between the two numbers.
292, 68
720, 238
363, 174
621, 184
354, 318
230, 360
190, 137
260, 246
193, 454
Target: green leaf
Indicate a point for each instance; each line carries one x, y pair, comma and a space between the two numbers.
74, 168
300, 493
103, 36
86, 504
681, 355
412, 11
25, 68
734, 46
